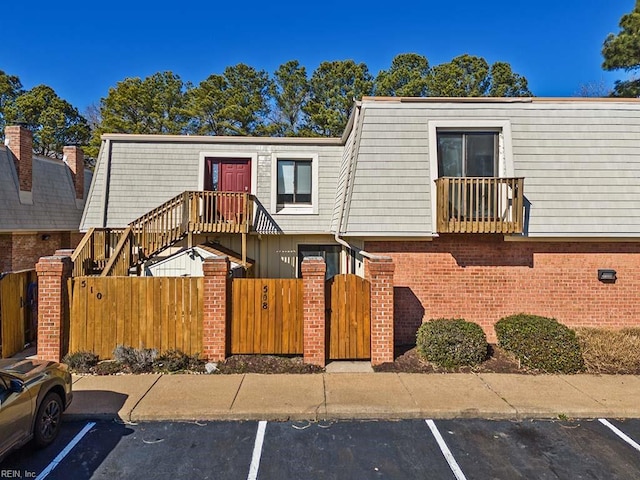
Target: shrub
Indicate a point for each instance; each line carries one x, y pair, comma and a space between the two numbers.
451, 342
81, 362
610, 351
137, 360
176, 361
540, 343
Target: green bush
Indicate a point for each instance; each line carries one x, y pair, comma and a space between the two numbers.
540, 343
81, 362
137, 360
451, 343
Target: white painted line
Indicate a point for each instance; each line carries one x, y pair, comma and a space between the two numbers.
54, 463
257, 451
455, 468
619, 433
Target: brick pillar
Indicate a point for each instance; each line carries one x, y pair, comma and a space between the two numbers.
313, 270
53, 334
74, 156
214, 331
20, 142
380, 274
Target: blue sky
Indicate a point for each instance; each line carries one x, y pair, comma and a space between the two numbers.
82, 48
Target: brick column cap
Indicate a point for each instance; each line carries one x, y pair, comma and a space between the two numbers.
311, 265
381, 264
54, 265
215, 266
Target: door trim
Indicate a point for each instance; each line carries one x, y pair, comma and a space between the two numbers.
253, 161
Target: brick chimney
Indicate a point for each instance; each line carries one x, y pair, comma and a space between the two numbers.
74, 156
20, 143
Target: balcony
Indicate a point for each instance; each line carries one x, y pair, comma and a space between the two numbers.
480, 205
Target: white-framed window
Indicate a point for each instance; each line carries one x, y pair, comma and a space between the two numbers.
294, 185
468, 148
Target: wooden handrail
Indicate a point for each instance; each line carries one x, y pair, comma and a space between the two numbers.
480, 205
188, 212
121, 260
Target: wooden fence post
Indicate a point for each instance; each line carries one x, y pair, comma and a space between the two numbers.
214, 331
313, 271
53, 311
380, 274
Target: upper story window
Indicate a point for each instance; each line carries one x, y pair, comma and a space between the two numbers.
467, 154
294, 182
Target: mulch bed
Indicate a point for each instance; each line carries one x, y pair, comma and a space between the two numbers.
408, 361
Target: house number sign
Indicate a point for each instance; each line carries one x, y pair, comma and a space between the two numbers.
83, 284
265, 297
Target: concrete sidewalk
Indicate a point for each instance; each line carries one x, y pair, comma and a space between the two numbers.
134, 398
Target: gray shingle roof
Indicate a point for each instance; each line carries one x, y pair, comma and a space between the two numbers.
54, 205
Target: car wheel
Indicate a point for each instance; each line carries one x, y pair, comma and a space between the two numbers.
48, 418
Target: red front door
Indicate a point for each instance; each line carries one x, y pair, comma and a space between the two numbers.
229, 175
235, 176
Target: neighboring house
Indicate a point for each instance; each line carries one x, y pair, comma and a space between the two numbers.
41, 201
487, 206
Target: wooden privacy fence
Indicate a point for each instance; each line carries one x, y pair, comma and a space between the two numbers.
16, 310
143, 312
266, 316
348, 306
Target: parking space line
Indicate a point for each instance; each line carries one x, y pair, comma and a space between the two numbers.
619, 433
74, 441
455, 468
257, 451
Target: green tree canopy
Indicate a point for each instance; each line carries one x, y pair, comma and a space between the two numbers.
407, 77
234, 103
53, 121
334, 87
471, 76
155, 105
622, 52
290, 92
10, 89
505, 83
464, 76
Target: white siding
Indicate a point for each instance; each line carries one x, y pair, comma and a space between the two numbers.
580, 161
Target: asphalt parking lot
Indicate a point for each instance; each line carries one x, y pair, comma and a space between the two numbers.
442, 449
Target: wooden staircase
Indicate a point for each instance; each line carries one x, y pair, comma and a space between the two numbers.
115, 252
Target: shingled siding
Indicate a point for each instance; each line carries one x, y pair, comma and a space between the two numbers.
580, 162
144, 174
483, 278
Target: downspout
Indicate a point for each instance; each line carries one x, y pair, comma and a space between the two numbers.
336, 235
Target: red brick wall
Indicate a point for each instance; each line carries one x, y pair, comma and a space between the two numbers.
214, 331
26, 249
6, 244
53, 273
483, 278
313, 271
20, 141
379, 272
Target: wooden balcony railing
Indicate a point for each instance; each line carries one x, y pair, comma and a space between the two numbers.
115, 251
480, 205
192, 212
94, 250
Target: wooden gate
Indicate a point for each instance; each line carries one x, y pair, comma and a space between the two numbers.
164, 313
15, 312
266, 316
348, 304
